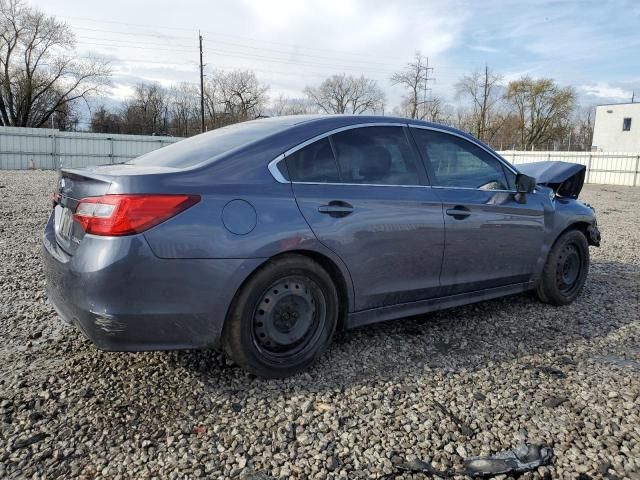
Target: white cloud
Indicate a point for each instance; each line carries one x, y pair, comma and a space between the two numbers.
606, 91
293, 43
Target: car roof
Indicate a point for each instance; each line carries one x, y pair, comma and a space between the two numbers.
290, 120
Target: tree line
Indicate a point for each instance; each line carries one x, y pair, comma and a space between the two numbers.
43, 83
526, 113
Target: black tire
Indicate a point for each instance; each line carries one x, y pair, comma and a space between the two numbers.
283, 318
566, 269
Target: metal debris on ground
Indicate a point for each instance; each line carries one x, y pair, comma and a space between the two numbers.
521, 459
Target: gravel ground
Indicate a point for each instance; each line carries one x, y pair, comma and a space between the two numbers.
469, 381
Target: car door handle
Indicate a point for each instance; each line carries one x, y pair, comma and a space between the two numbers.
458, 212
336, 208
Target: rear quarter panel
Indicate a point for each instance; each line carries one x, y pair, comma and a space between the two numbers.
200, 232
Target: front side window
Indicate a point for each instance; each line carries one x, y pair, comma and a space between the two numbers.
626, 124
456, 162
375, 155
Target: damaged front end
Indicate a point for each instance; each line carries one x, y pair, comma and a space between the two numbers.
593, 234
566, 179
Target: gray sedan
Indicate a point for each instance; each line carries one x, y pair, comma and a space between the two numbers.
266, 237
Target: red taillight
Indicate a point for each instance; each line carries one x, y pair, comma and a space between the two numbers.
115, 215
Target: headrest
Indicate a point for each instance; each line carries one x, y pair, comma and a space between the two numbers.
376, 163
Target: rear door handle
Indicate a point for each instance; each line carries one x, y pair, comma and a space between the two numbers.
458, 212
336, 208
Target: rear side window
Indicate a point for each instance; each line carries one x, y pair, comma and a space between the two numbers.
375, 155
456, 162
313, 163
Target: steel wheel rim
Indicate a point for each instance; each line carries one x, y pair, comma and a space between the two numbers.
288, 319
569, 270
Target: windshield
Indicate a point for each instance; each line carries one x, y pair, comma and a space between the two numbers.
195, 150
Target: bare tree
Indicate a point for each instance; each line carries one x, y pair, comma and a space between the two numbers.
232, 97
147, 112
438, 111
543, 109
289, 106
346, 94
39, 73
213, 103
483, 90
184, 108
433, 110
581, 135
243, 95
414, 78
105, 121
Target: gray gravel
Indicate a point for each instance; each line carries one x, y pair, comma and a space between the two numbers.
464, 382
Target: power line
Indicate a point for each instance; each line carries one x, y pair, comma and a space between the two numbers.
294, 50
263, 58
136, 47
235, 65
129, 42
250, 39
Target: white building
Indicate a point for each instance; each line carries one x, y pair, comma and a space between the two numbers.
617, 128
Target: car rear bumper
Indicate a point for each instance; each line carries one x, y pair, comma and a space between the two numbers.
124, 298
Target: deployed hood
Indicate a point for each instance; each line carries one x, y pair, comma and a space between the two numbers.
566, 179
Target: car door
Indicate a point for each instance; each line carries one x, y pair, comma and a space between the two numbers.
491, 238
362, 192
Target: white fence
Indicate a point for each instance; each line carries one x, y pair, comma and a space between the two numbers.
602, 167
49, 149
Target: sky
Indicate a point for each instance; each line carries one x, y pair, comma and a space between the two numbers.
591, 45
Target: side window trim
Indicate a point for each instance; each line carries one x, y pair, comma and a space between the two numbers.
275, 170
501, 161
335, 157
279, 177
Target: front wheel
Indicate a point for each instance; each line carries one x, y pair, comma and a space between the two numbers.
565, 272
283, 318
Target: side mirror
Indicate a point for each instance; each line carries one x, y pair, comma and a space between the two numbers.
524, 184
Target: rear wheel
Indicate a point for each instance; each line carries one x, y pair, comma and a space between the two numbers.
566, 269
283, 318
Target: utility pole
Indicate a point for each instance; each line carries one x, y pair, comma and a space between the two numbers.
201, 87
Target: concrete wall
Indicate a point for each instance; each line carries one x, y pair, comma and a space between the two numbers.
608, 135
22, 148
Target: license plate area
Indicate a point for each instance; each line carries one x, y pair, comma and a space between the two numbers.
63, 222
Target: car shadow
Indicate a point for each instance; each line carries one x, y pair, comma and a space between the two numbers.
467, 338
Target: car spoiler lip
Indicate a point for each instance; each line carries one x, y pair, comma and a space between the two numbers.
566, 179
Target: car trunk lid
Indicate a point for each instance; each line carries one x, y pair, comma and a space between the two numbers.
76, 184
73, 186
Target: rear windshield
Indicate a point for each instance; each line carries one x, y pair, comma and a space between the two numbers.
195, 150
